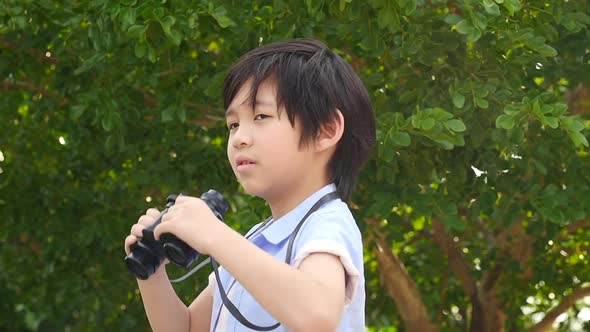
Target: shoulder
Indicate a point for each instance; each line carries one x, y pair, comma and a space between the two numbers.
334, 217
332, 226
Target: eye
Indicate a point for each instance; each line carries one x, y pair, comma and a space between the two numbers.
233, 125
261, 116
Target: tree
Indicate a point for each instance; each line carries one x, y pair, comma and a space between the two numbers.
474, 205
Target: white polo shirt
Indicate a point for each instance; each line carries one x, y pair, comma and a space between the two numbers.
331, 229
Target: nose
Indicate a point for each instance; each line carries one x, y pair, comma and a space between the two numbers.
241, 137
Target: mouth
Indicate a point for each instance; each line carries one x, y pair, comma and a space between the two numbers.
243, 163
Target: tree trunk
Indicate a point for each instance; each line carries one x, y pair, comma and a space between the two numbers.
402, 289
487, 315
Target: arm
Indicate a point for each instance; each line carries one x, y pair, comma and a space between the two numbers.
200, 311
308, 298
166, 312
314, 292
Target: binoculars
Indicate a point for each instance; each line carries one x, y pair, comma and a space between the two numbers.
147, 253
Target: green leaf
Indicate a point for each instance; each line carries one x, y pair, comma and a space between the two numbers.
540, 166
546, 50
410, 7
576, 125
551, 121
456, 125
453, 222
458, 100
452, 19
140, 49
512, 6
157, 12
511, 110
493, 10
76, 111
107, 121
464, 27
174, 36
408, 96
505, 122
128, 16
220, 15
578, 139
401, 138
89, 64
342, 5
559, 108
168, 114
474, 35
482, 103
479, 21
151, 54
427, 124
416, 121
447, 208
167, 22
136, 31
488, 3
181, 112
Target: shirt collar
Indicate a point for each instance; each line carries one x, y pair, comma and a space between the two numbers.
284, 226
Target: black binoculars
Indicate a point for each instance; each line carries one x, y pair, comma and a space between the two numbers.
147, 253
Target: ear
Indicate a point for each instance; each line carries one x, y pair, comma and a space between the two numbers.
330, 133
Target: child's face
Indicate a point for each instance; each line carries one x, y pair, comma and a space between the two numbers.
263, 148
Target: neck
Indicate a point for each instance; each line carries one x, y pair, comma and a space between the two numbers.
282, 203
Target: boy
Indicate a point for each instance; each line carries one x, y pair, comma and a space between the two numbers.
300, 126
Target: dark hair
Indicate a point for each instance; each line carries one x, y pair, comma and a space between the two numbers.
312, 82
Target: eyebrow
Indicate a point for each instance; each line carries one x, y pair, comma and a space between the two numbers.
258, 102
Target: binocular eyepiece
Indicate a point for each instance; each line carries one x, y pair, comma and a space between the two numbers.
147, 253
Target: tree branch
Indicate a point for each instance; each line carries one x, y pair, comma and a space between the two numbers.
516, 244
11, 85
31, 51
565, 304
461, 269
575, 226
400, 285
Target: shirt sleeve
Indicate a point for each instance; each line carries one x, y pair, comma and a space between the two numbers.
337, 234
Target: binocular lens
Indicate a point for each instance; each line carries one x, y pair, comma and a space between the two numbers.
143, 261
174, 255
140, 270
178, 252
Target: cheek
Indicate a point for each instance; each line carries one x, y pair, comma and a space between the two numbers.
230, 153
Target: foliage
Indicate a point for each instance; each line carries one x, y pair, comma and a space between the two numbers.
109, 104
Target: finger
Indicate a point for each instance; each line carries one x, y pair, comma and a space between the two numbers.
182, 199
136, 230
146, 220
168, 217
160, 229
172, 209
129, 241
154, 213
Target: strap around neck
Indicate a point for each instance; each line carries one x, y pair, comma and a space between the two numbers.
227, 302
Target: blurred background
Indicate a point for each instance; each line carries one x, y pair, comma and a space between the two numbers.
474, 205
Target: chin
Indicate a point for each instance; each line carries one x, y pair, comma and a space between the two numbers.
253, 189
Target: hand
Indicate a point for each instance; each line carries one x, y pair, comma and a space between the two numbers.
192, 221
150, 216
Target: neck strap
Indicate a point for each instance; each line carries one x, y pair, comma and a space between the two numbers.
226, 301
